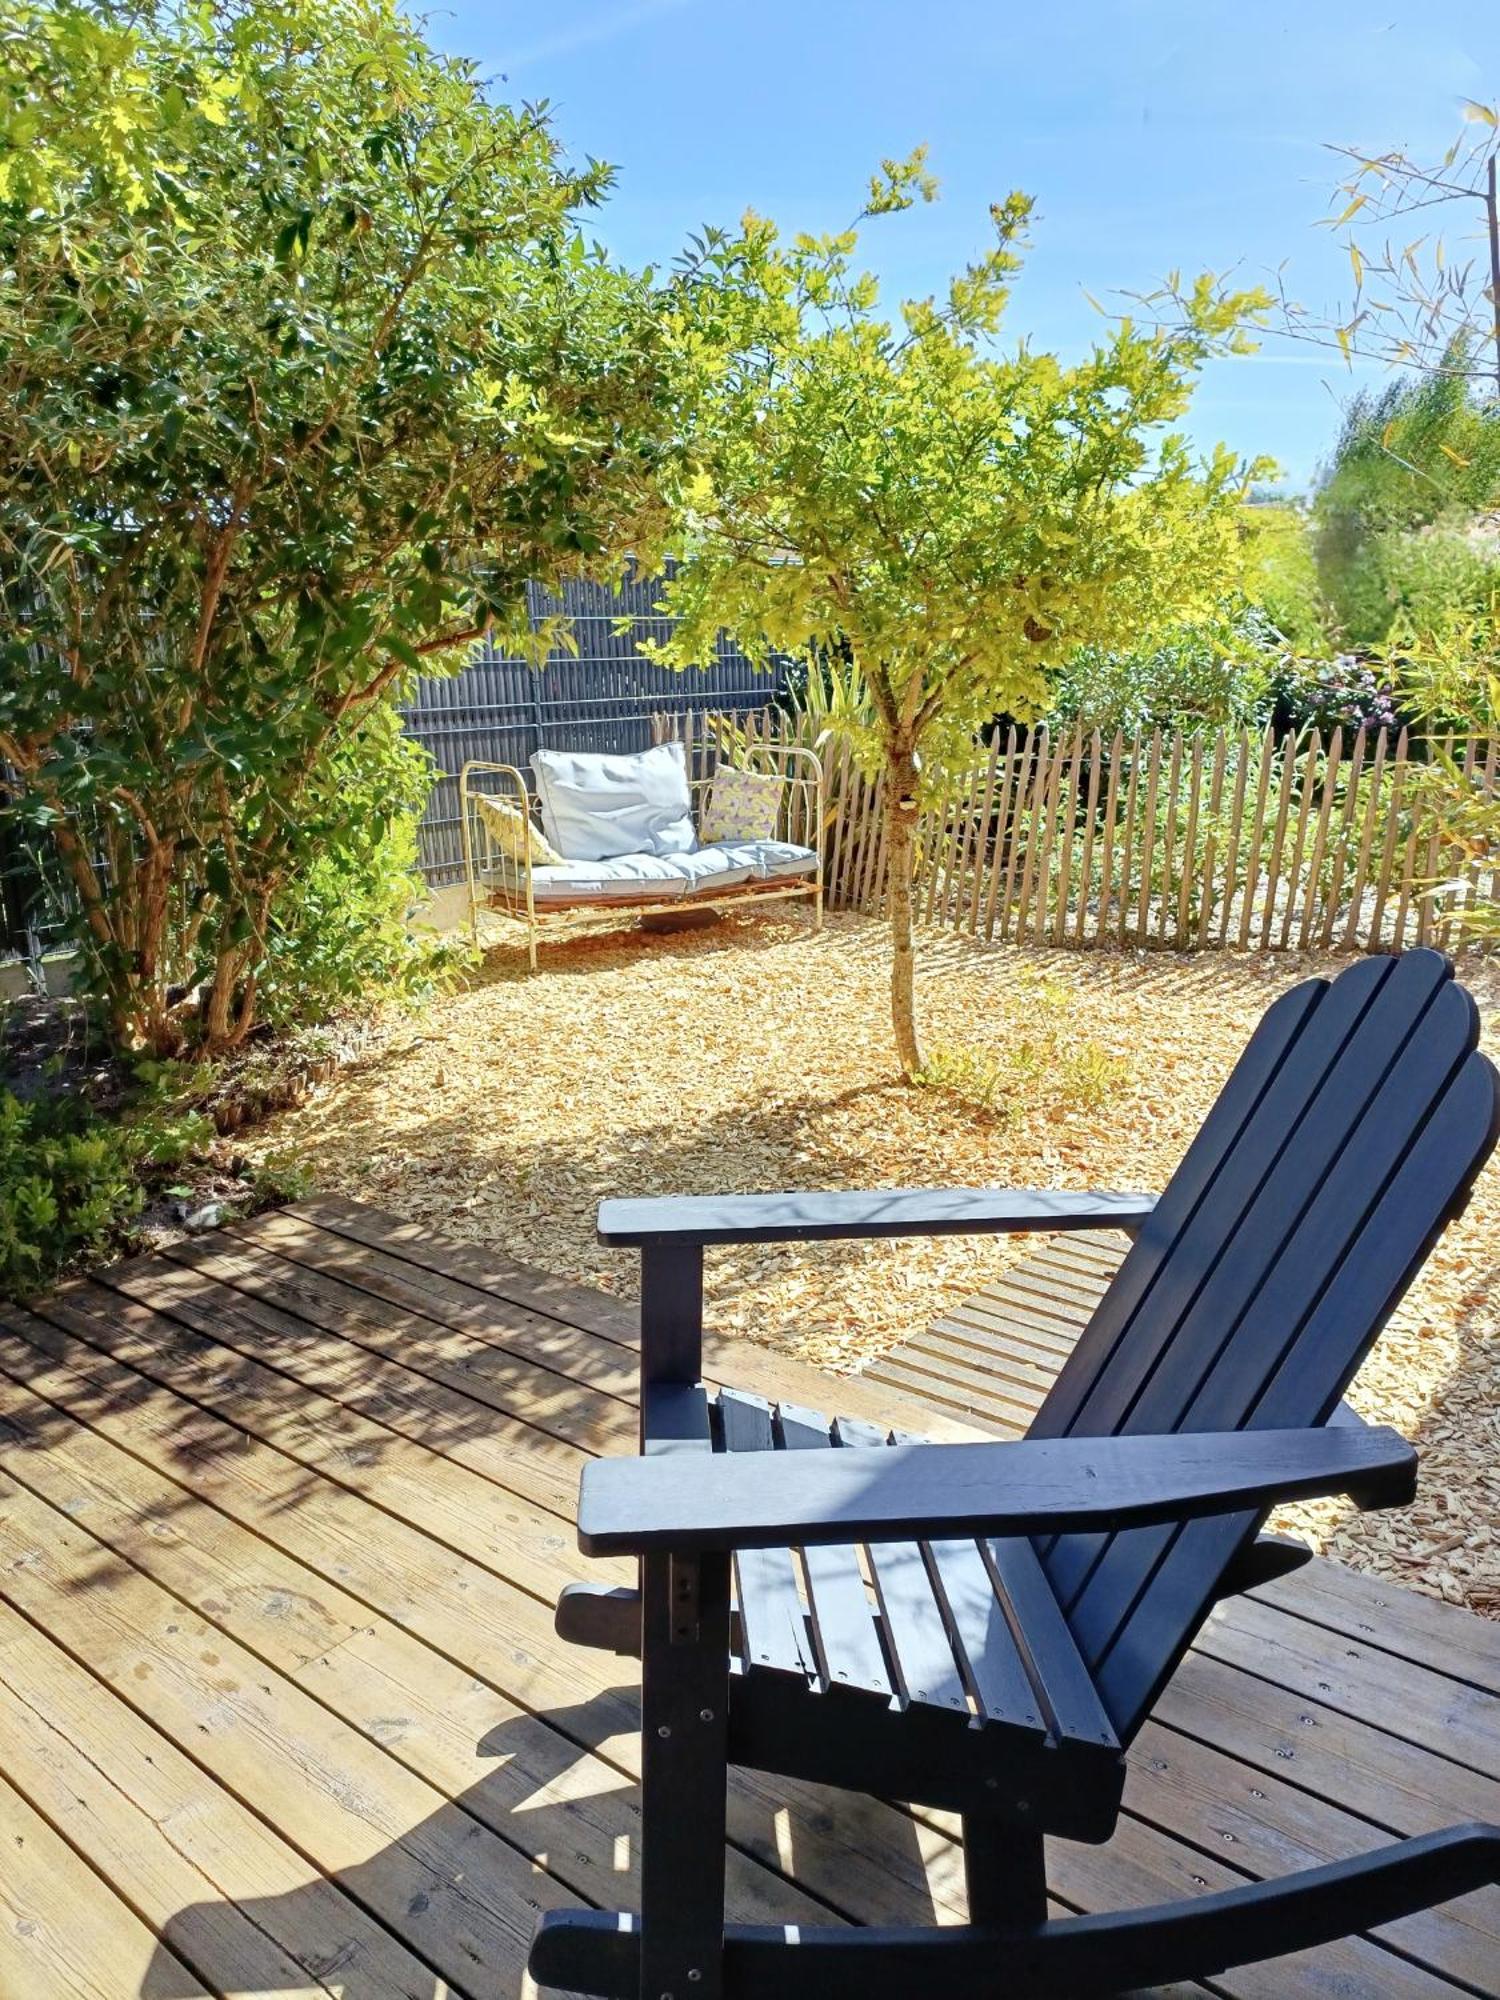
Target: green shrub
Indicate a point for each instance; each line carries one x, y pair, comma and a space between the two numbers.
1448, 672
1201, 677
1394, 579
67, 1183
1437, 575
1413, 465
72, 1180
1420, 447
339, 931
1043, 1064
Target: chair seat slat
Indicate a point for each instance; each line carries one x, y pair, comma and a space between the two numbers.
1066, 1685
914, 1622
773, 1619
843, 1623
981, 1632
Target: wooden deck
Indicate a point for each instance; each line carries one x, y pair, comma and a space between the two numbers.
282, 1712
991, 1360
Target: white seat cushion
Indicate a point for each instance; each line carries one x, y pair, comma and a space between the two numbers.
772, 860
595, 807
708, 869
661, 878
623, 878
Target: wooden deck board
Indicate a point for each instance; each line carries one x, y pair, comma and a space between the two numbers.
65, 1934
281, 1519
499, 1639
141, 1815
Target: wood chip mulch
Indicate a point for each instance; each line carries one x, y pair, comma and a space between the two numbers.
757, 1055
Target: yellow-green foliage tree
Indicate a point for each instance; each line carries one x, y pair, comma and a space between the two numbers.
949, 516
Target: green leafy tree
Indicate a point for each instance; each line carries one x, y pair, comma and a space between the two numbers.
1281, 574
939, 519
1394, 530
305, 369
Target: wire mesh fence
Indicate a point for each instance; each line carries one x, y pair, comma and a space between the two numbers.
34, 898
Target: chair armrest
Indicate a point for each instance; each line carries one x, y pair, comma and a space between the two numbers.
509, 787
809, 1218
1036, 1486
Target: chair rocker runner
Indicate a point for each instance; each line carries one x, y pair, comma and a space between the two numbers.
1020, 1606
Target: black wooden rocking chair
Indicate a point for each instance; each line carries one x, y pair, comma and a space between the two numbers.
1030, 1599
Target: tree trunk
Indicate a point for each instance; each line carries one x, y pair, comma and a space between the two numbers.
133, 1005
900, 827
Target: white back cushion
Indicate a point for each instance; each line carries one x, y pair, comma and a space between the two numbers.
595, 806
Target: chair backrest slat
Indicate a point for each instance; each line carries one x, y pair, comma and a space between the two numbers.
1180, 1588
1196, 1173
1242, 1233
1344, 1141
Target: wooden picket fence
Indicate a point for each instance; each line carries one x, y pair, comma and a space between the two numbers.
1178, 841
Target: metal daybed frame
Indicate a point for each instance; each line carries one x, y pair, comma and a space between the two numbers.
505, 887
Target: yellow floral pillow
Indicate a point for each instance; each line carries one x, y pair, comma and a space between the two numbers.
517, 837
742, 805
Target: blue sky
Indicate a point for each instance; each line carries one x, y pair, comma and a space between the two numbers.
1153, 133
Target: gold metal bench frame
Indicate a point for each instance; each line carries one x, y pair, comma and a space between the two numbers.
505, 887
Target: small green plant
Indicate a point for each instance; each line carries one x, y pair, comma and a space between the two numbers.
67, 1183
74, 1177
973, 1074
1046, 1066
278, 1179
